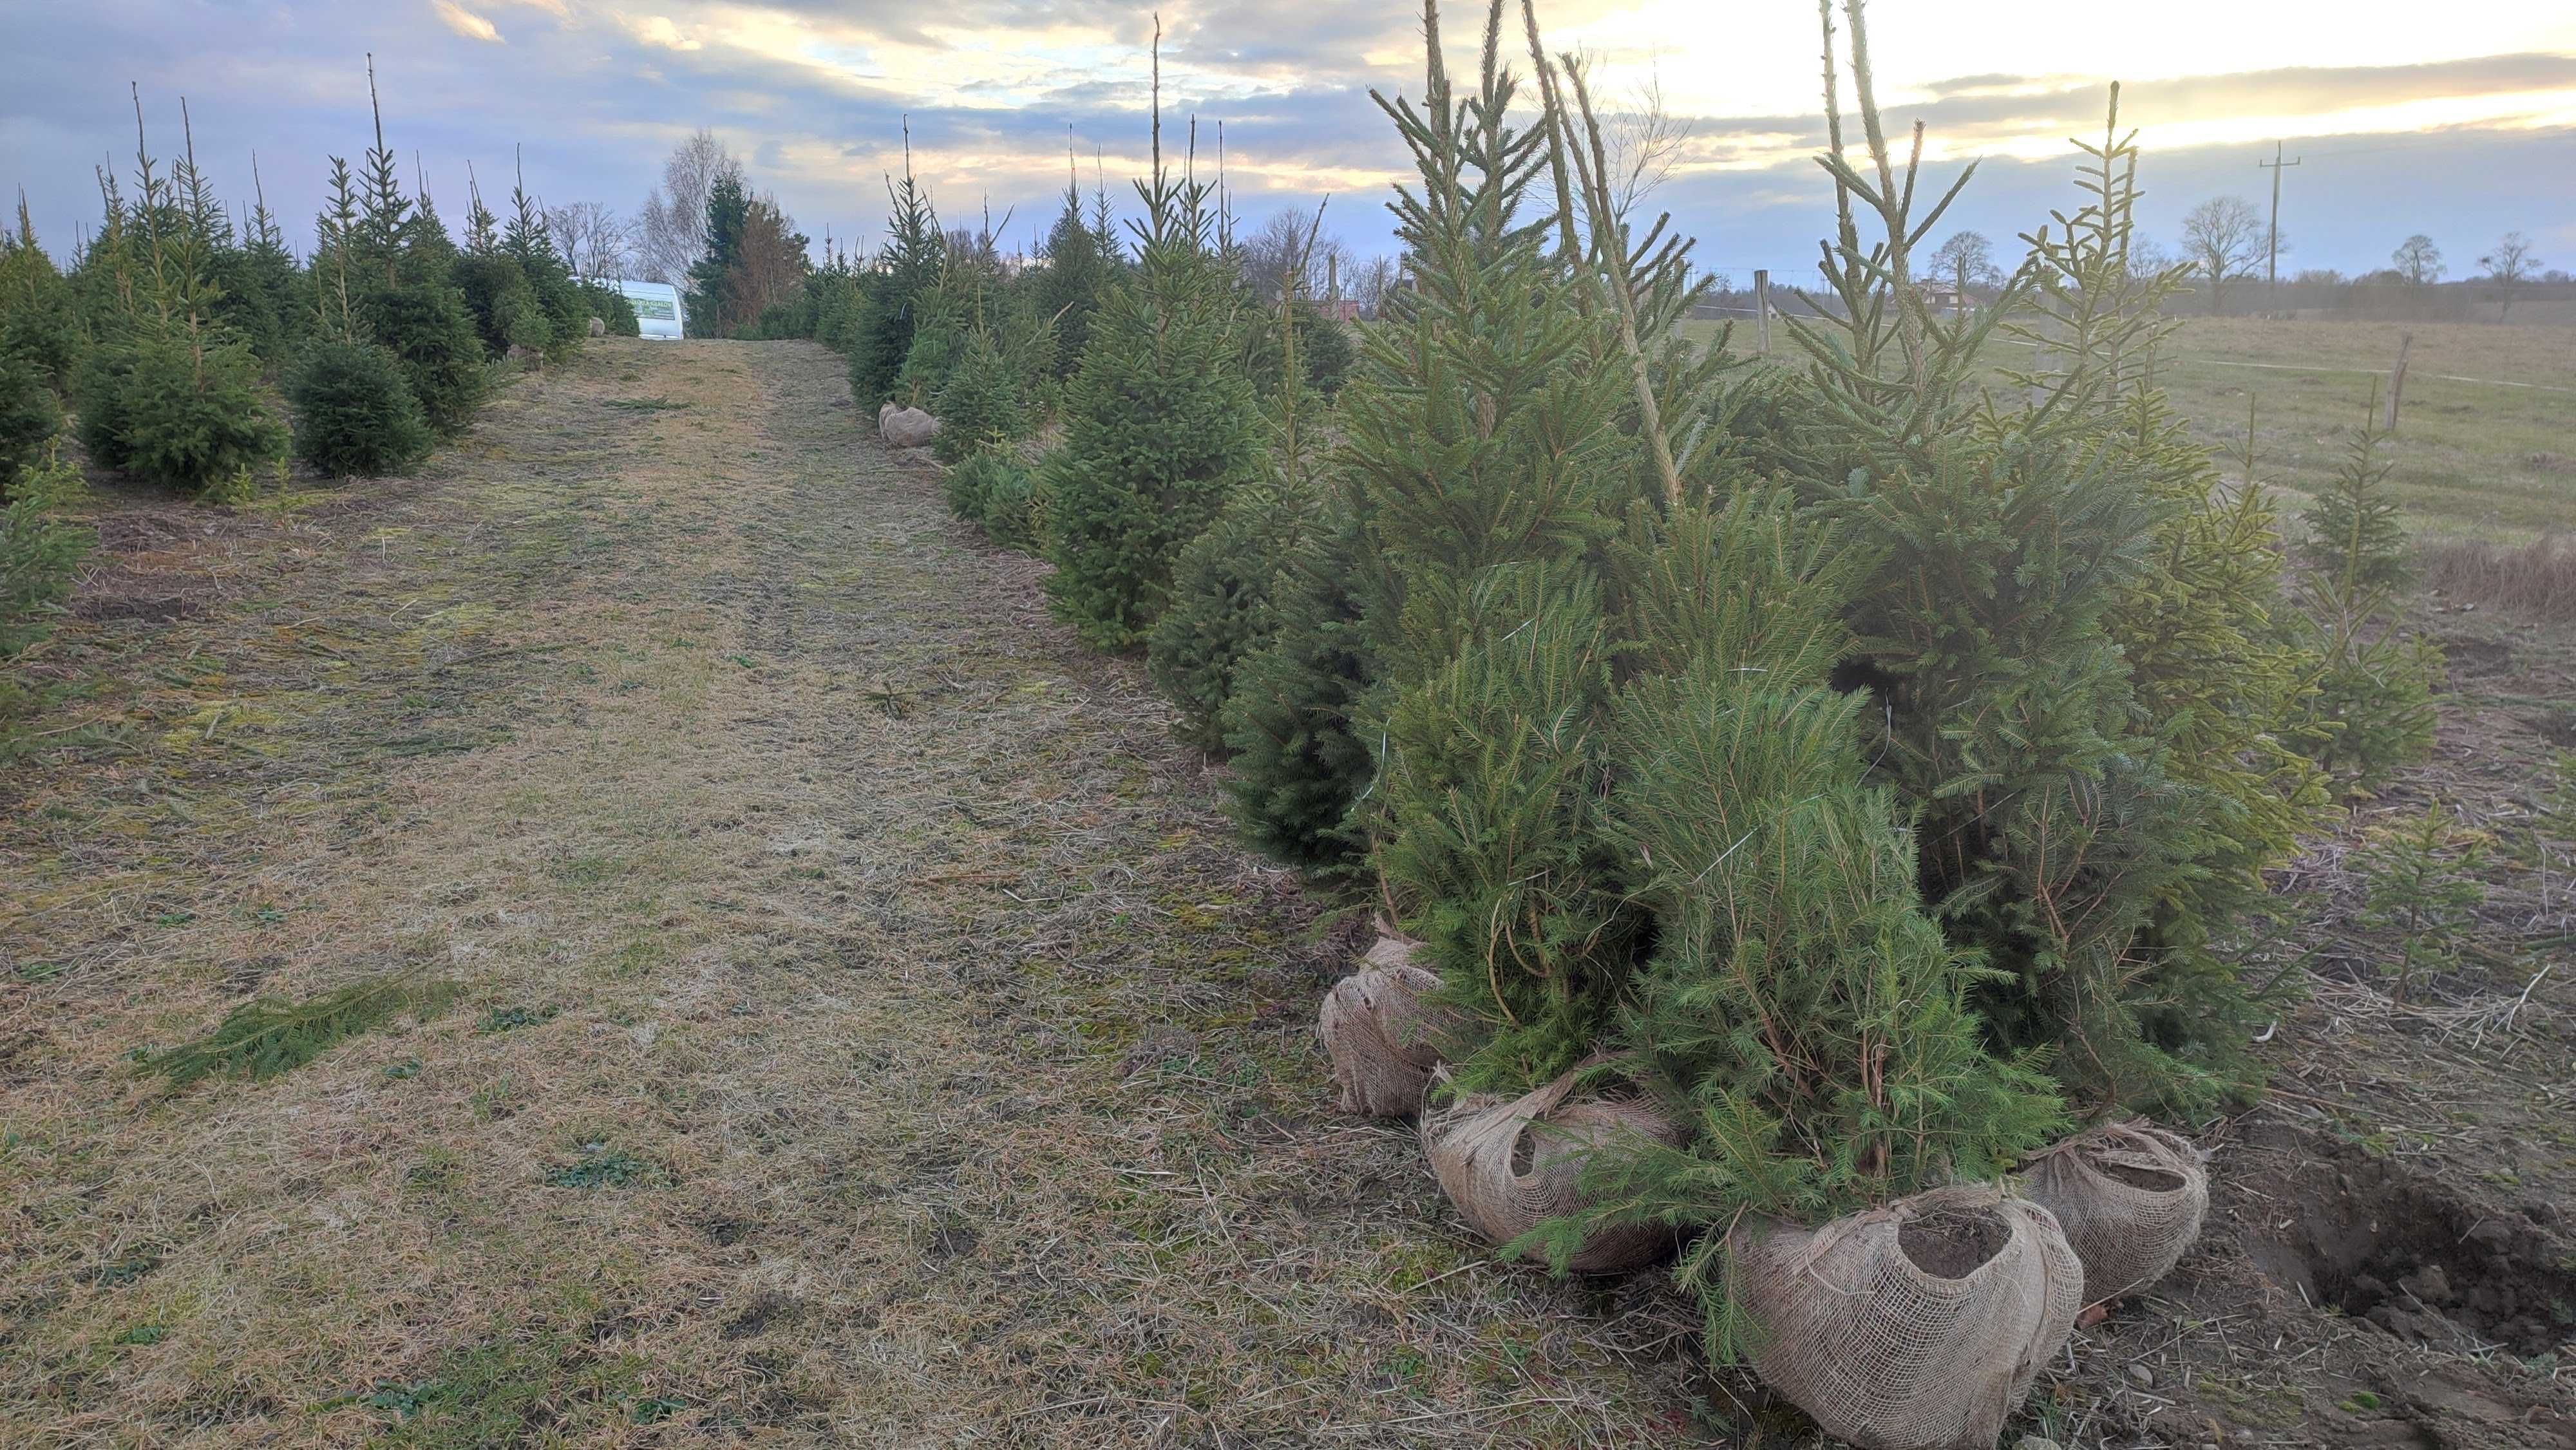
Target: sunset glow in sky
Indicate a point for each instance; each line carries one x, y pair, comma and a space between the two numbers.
2461, 122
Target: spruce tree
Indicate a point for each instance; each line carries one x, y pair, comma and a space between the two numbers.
2373, 709
1223, 585
563, 315
1487, 474
495, 290
908, 266
30, 416
980, 405
401, 292
1160, 428
40, 316
711, 280
171, 393
39, 341
265, 299
1081, 265
2214, 679
1293, 712
2055, 838
355, 415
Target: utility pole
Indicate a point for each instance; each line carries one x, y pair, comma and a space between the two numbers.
1762, 311
2272, 239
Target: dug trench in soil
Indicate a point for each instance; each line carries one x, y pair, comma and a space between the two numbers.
2342, 1296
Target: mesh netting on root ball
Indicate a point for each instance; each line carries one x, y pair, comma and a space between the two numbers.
1916, 1326
1382, 1041
1512, 1165
2130, 1198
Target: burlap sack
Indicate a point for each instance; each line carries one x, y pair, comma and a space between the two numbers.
2130, 1198
1917, 1326
906, 427
1511, 1165
1381, 1039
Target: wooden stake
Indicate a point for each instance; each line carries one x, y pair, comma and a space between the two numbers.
2397, 382
1762, 312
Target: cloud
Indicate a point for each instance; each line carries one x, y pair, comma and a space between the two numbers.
465, 22
814, 94
662, 31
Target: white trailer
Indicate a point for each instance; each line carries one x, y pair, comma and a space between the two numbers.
657, 308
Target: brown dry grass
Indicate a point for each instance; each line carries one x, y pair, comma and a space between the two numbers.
2537, 579
939, 1071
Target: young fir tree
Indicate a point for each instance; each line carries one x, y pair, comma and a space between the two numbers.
2212, 675
2422, 890
2012, 537
1081, 266
494, 285
266, 296
1159, 429
980, 406
402, 293
354, 412
40, 315
39, 555
562, 311
711, 280
1487, 473
1223, 585
354, 409
170, 393
908, 266
30, 415
1293, 713
2373, 709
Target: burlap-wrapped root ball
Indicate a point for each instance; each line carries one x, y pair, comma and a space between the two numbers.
1512, 1165
2130, 1198
1917, 1326
906, 427
1383, 1042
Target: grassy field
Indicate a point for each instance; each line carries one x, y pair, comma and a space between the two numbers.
2469, 458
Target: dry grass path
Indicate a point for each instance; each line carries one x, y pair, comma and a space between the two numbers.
865, 1034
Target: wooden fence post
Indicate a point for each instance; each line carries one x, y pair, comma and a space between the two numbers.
2397, 382
1762, 311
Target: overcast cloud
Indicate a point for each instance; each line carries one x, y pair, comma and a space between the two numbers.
2464, 135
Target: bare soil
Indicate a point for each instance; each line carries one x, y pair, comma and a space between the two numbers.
869, 1035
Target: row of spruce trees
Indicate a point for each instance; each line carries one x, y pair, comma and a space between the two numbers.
175, 336
1875, 762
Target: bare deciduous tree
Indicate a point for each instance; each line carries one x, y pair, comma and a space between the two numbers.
2419, 260
1288, 245
1967, 259
671, 230
2223, 239
2511, 264
2148, 257
1646, 142
592, 237
1368, 281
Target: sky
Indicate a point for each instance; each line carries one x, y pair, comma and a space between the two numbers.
2458, 121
